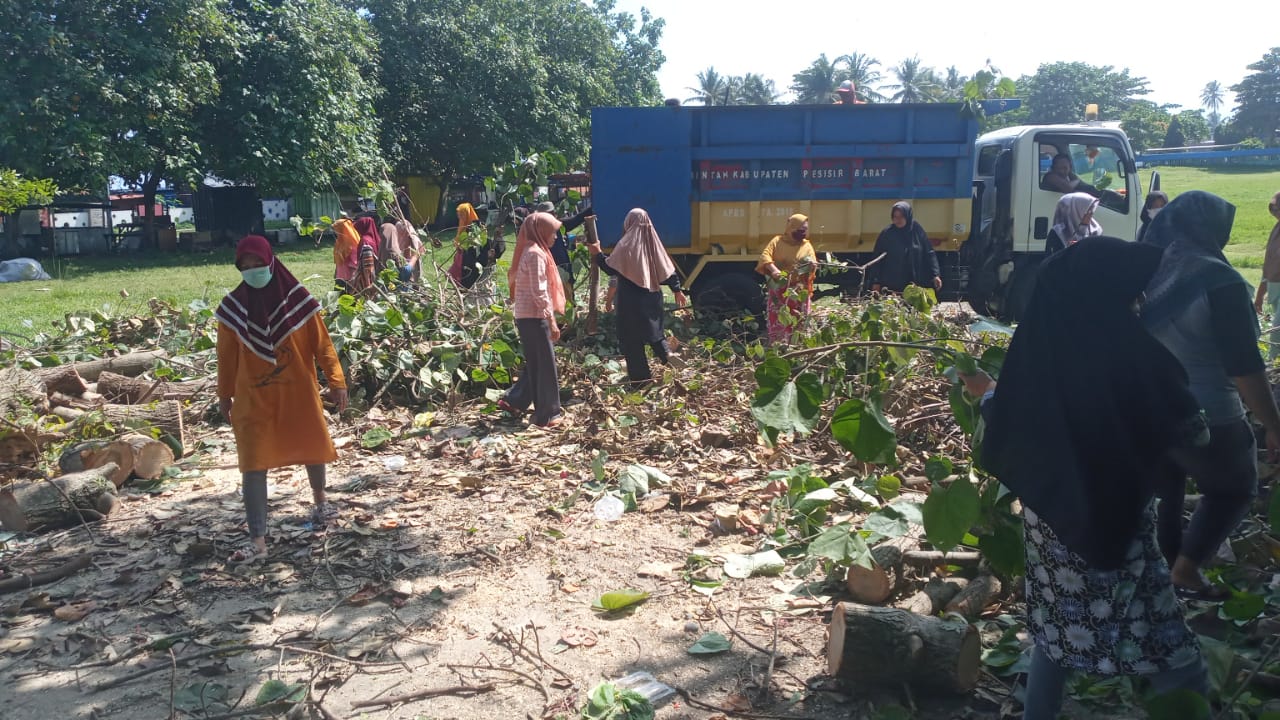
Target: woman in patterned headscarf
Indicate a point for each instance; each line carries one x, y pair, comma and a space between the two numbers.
538, 297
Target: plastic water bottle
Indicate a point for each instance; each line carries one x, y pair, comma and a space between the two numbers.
393, 463
648, 686
609, 508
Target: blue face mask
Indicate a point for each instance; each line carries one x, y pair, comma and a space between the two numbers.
256, 278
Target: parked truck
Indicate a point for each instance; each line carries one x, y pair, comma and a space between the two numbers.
719, 182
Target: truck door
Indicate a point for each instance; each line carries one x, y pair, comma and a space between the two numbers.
1102, 164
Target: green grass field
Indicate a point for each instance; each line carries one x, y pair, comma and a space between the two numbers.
86, 284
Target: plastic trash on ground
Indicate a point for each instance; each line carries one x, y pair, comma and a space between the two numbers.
609, 508
647, 685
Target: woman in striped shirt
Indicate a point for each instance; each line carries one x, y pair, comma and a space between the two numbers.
537, 297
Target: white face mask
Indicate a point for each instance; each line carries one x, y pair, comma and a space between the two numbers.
1153, 212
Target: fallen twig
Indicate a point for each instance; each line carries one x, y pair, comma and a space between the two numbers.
690, 699
428, 693
157, 644
24, 582
737, 634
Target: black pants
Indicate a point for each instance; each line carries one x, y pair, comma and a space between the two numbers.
1226, 473
538, 385
633, 350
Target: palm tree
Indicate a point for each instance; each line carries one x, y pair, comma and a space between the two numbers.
1212, 98
952, 86
861, 69
816, 84
754, 89
712, 88
915, 82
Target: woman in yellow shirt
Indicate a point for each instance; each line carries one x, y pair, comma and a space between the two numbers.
787, 263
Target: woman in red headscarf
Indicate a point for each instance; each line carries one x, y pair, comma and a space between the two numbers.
367, 269
270, 339
538, 296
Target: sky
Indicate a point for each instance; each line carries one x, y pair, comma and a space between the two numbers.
1177, 52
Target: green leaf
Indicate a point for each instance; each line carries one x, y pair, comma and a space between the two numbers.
619, 600
887, 523
201, 697
965, 413
597, 465
1179, 705
862, 429
892, 712
792, 406
966, 364
950, 512
842, 544
713, 643
274, 691
888, 486
937, 469
1004, 547
1244, 606
376, 438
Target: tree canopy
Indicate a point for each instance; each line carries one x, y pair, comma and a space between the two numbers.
1258, 99
1058, 92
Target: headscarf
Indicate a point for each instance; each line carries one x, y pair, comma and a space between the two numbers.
1192, 229
639, 256
368, 229
906, 253
1088, 401
263, 317
1152, 197
536, 235
407, 239
466, 216
793, 224
346, 240
1068, 218
1271, 261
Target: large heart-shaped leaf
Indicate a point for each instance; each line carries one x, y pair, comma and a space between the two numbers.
862, 429
950, 512
619, 600
842, 544
793, 406
713, 643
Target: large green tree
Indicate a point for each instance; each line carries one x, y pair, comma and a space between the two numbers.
1059, 92
296, 107
755, 89
712, 88
1195, 128
863, 70
1146, 124
467, 83
914, 82
816, 84
1258, 99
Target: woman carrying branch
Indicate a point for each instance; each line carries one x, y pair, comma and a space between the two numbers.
1200, 308
270, 339
906, 255
1087, 405
641, 265
346, 254
467, 219
538, 298
787, 264
367, 255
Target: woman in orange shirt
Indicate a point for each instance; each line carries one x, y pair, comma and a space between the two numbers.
787, 264
270, 339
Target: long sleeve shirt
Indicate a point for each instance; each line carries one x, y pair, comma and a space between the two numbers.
532, 292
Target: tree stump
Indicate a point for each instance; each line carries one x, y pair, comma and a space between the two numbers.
21, 393
130, 390
876, 584
934, 596
150, 456
885, 646
130, 364
163, 415
96, 453
44, 504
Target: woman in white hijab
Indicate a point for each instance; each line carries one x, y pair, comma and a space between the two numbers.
642, 266
1073, 221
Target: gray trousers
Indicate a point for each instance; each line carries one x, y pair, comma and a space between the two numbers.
254, 488
539, 384
1226, 472
1047, 680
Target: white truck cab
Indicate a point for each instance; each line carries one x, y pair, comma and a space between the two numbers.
1014, 210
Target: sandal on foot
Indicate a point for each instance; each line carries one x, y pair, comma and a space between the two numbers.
558, 422
246, 554
508, 408
323, 514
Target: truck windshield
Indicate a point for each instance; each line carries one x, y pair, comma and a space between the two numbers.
1096, 161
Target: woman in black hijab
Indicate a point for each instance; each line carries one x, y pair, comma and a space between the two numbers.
1087, 404
908, 255
1156, 200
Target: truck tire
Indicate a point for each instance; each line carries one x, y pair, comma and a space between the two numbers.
729, 293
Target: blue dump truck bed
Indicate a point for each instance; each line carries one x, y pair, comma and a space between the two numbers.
720, 181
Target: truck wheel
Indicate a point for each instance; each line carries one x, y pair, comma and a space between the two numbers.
729, 294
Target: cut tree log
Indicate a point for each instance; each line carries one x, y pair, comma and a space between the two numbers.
934, 596
876, 584
118, 388
79, 402
975, 596
18, 449
131, 364
163, 415
150, 456
877, 646
44, 504
931, 558
96, 453
21, 393
61, 378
